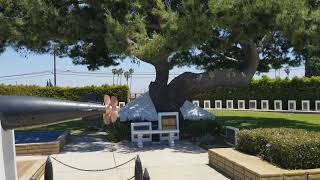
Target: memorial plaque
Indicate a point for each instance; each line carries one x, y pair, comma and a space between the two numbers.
207, 104
241, 104
229, 104
305, 105
218, 104
196, 103
169, 122
252, 104
317, 105
140, 126
231, 133
264, 104
278, 105
291, 105
122, 104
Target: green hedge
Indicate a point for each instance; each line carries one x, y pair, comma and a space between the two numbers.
268, 89
284, 147
88, 93
118, 131
199, 128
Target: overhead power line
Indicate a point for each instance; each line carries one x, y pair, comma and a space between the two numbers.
110, 74
39, 75
26, 74
138, 75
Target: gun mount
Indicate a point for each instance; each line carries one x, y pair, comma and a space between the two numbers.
23, 111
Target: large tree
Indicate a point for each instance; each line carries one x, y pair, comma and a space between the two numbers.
228, 39
311, 52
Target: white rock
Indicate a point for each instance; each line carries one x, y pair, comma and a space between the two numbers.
142, 109
191, 112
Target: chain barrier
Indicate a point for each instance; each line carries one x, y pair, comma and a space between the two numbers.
93, 170
131, 178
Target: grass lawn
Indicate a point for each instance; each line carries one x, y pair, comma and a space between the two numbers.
71, 125
253, 119
240, 119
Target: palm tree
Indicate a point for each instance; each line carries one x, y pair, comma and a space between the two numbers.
120, 72
131, 71
114, 72
127, 76
287, 71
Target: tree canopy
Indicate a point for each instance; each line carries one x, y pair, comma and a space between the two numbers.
229, 39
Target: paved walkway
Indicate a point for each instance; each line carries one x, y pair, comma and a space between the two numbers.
88, 150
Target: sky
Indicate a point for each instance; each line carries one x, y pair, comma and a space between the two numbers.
68, 74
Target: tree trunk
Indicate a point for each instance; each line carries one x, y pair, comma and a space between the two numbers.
159, 90
162, 96
170, 97
131, 83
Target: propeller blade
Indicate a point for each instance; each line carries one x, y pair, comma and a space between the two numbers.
114, 116
114, 101
108, 109
107, 99
107, 118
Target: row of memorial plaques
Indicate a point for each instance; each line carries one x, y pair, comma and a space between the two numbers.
122, 104
292, 104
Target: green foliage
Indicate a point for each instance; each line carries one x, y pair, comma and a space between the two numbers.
255, 119
287, 148
269, 89
118, 131
282, 23
99, 33
312, 66
199, 128
88, 93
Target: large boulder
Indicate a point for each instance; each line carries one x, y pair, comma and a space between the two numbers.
142, 109
191, 112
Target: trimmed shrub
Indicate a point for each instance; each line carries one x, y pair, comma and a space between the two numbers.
87, 93
118, 131
199, 128
269, 89
284, 147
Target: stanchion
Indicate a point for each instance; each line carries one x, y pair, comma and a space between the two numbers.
138, 172
48, 170
146, 175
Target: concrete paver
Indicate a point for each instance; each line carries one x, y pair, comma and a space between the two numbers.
185, 161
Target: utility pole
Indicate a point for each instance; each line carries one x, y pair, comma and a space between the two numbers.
54, 67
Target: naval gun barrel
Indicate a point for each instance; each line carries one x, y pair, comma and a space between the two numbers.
25, 111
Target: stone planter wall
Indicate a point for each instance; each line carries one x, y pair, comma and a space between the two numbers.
240, 166
45, 148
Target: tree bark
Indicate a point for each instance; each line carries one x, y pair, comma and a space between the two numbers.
158, 89
170, 97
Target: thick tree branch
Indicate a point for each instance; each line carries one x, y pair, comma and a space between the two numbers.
231, 58
191, 83
251, 58
264, 41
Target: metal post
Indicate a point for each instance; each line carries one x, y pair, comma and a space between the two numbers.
48, 171
138, 172
54, 66
8, 169
146, 175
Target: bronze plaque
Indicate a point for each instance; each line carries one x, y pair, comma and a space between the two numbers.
169, 122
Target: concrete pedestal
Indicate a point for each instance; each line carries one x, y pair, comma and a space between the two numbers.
8, 170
